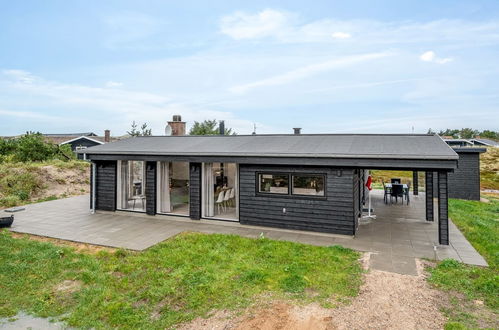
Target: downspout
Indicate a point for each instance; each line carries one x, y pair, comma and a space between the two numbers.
93, 187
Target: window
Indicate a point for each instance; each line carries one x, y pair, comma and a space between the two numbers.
273, 183
309, 185
80, 148
173, 187
131, 185
220, 191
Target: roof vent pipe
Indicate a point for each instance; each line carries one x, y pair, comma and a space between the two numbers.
297, 130
221, 128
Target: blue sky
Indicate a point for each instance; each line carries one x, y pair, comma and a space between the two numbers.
325, 66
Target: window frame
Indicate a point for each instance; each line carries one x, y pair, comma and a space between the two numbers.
258, 182
290, 194
324, 177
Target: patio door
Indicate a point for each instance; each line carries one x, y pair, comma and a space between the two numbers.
131, 185
220, 191
173, 188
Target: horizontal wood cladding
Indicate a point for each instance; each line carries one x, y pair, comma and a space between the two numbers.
443, 209
333, 214
105, 183
150, 190
464, 182
195, 190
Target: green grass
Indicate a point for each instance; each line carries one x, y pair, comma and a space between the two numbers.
479, 222
174, 281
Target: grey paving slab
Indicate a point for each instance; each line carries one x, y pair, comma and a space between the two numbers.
397, 235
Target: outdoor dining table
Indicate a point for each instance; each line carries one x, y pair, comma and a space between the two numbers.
389, 185
404, 187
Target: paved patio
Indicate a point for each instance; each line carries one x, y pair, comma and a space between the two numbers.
396, 236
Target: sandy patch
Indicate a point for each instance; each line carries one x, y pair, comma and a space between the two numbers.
67, 182
386, 301
69, 286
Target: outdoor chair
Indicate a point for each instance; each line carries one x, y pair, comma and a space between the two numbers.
407, 192
397, 191
388, 192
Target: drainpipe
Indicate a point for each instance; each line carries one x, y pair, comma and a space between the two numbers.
93, 187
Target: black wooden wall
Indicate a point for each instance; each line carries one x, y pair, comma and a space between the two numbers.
150, 190
105, 191
464, 182
443, 213
334, 214
195, 191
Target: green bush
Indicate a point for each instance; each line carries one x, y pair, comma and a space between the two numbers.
10, 201
22, 185
32, 147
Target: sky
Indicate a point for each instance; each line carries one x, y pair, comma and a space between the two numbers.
325, 66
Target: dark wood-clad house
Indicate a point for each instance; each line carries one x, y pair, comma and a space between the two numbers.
304, 182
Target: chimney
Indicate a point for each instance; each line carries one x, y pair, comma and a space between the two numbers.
177, 125
297, 130
221, 128
107, 136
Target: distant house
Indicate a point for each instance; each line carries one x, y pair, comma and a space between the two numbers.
476, 142
80, 141
484, 142
458, 142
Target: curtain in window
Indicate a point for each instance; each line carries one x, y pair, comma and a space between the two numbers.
164, 188
124, 184
208, 191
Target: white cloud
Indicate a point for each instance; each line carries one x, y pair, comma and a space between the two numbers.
307, 71
341, 35
20, 76
241, 25
129, 29
112, 84
430, 56
67, 101
287, 27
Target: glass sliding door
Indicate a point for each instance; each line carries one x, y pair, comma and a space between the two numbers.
131, 185
220, 191
173, 187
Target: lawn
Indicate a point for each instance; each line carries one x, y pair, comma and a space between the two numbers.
479, 222
184, 277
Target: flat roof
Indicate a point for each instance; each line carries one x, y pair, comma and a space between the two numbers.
371, 146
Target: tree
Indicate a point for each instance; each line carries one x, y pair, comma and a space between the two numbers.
430, 131
144, 131
449, 132
32, 147
209, 127
489, 135
467, 133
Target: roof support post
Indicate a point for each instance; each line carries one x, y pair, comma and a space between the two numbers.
429, 195
150, 187
195, 189
443, 209
415, 182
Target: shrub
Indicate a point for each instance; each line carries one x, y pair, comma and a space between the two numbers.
20, 184
10, 201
